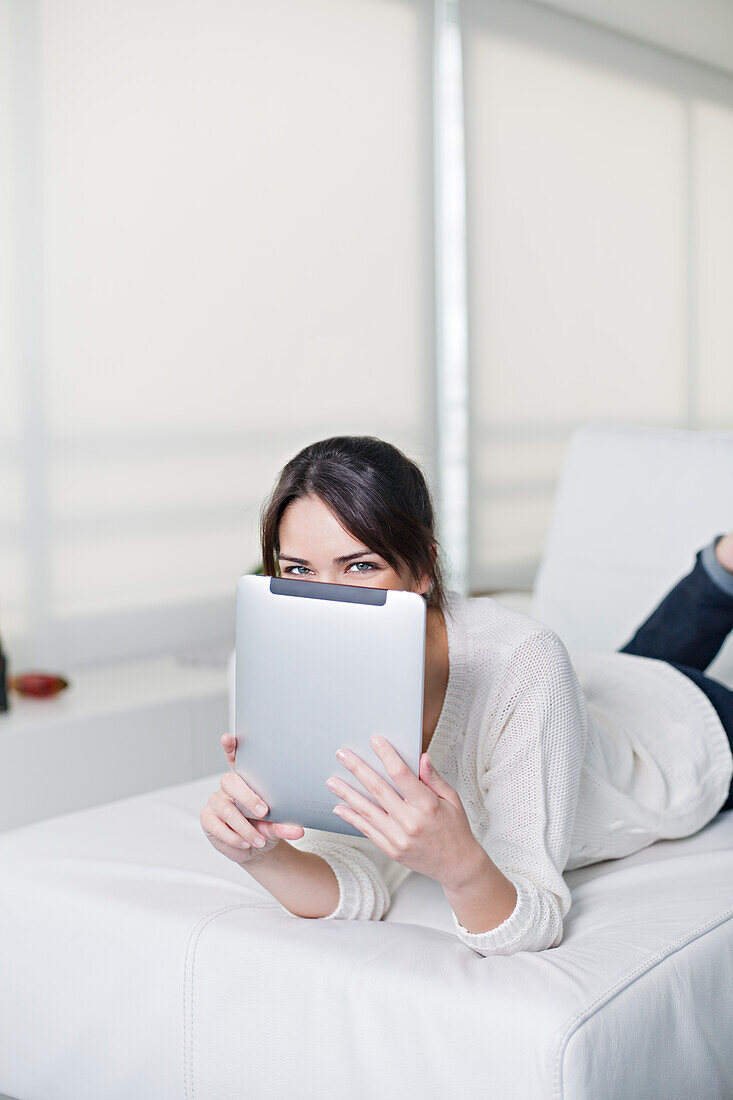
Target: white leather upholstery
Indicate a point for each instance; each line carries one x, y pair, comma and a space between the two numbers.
136, 963
633, 506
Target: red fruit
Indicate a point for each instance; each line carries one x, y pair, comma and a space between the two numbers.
37, 684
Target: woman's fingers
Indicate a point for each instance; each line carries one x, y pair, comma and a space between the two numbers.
388, 800
214, 827
228, 813
407, 782
229, 744
234, 787
233, 784
287, 832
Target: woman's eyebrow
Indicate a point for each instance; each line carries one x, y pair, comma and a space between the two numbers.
336, 561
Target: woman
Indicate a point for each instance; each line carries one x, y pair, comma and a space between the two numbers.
531, 764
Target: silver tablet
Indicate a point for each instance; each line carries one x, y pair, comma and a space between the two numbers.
320, 667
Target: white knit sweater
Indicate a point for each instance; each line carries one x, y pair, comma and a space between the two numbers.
557, 764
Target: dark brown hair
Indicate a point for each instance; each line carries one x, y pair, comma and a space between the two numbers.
377, 493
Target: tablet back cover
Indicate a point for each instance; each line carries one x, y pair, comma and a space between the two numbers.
321, 667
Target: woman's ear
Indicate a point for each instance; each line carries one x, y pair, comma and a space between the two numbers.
421, 586
426, 580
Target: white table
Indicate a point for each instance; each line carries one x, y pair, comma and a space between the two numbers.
117, 730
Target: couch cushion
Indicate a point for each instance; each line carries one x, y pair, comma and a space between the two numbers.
137, 961
632, 508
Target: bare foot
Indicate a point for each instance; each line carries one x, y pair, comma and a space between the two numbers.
724, 552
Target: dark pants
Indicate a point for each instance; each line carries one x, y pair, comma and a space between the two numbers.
687, 630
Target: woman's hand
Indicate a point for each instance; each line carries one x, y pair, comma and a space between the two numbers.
237, 837
425, 827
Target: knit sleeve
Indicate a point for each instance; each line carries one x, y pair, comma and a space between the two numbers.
530, 779
367, 876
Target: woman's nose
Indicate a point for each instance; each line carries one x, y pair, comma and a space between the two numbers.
332, 578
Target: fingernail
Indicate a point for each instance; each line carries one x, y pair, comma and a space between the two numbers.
261, 808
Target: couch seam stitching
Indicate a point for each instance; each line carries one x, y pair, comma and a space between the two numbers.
190, 960
591, 1010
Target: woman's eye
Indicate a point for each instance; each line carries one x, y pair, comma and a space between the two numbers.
370, 567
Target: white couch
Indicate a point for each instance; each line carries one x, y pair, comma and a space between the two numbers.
136, 962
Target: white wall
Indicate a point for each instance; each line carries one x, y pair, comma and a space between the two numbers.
226, 252
217, 246
600, 221
699, 29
